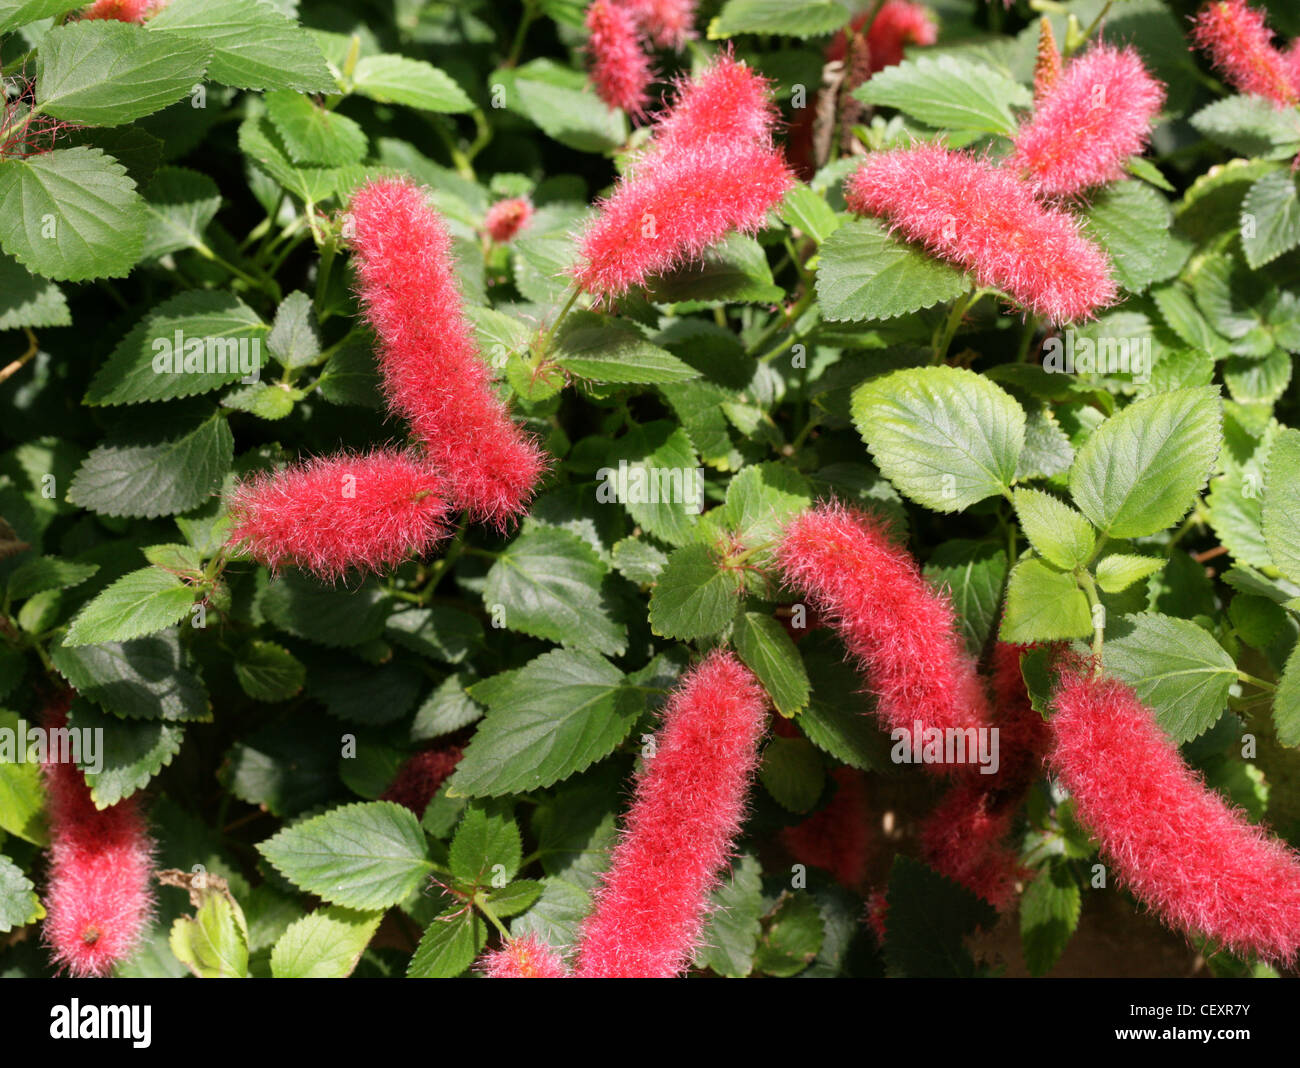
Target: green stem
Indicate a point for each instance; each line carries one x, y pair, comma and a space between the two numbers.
517, 47
1253, 681
784, 321
945, 333
481, 904
1089, 587
266, 285
547, 338
1092, 28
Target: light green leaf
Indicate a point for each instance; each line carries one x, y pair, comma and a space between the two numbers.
47, 573
449, 945
1286, 701
1059, 533
413, 82
1251, 126
213, 943
790, 18
22, 795
559, 101
805, 209
181, 203
769, 653
695, 597
1119, 571
487, 849
654, 473
261, 142
313, 134
972, 573
731, 936
1270, 218
294, 339
1282, 503
19, 904
1043, 604
609, 351
26, 300
1131, 222
1049, 914
949, 93
325, 944
139, 603
15, 13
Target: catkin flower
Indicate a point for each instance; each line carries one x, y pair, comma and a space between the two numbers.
98, 900
527, 957
1240, 46
122, 10
903, 634
897, 24
1023, 735
986, 220
432, 374
1085, 128
420, 776
964, 838
668, 23
1200, 864
620, 69
506, 218
679, 832
837, 838
368, 512
726, 104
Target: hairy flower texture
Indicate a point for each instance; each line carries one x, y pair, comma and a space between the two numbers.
1023, 736
836, 839
620, 69
726, 104
1292, 55
1047, 65
897, 24
98, 900
987, 220
903, 634
1181, 849
420, 776
668, 23
679, 832
1240, 45
368, 512
527, 957
122, 10
964, 838
674, 208
1086, 127
506, 218
432, 374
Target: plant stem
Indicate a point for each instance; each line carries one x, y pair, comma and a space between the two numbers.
549, 336
517, 47
1253, 681
784, 321
17, 365
945, 334
481, 904
1089, 587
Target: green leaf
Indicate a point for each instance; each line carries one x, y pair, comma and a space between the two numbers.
147, 678
213, 943
548, 583
139, 603
973, 574
559, 101
1131, 222
734, 271
866, 273
731, 937
1270, 218
47, 573
609, 351
441, 633
1059, 534
19, 904
295, 339
838, 719
413, 82
806, 210
948, 93
793, 773
695, 597
761, 499
1141, 470
22, 796
370, 855
313, 134
1282, 503
654, 473
791, 938
181, 204
26, 300
106, 73
147, 481
449, 945
554, 717
1043, 604
15, 13
769, 653
518, 897
927, 922
1286, 702
487, 849
253, 45
790, 18
326, 944
1251, 126
1176, 668
1049, 914
132, 752
638, 560
1118, 571
269, 672
944, 436
260, 141
71, 214
332, 617
1179, 310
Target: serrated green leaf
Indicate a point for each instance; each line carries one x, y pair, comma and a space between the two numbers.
654, 473
1131, 222
1251, 126
22, 795
413, 82
1056, 531
15, 13
1118, 571
486, 849
449, 945
1043, 604
769, 653
131, 753
791, 938
518, 897
695, 596
181, 204
944, 436
731, 936
1281, 505
1049, 914
364, 856
948, 93
326, 944
269, 672
47, 573
147, 678
559, 101
1286, 701
1270, 218
606, 351
332, 617
139, 603
972, 574
19, 904
314, 134
213, 943
806, 210
734, 271
791, 18
261, 142
26, 300
638, 560
295, 339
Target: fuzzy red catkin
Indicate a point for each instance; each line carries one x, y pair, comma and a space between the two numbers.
837, 838
679, 832
620, 69
1087, 125
1023, 735
1178, 846
902, 633
369, 512
121, 10
432, 374
420, 776
527, 957
964, 838
897, 24
506, 218
728, 103
985, 219
1240, 46
98, 899
668, 23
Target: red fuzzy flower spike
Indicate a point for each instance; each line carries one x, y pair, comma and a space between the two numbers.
121, 10
367, 512
523, 958
964, 839
420, 776
727, 104
838, 838
432, 373
668, 23
506, 218
1023, 736
1240, 45
1176, 844
897, 24
986, 220
678, 834
99, 900
903, 634
1085, 128
620, 69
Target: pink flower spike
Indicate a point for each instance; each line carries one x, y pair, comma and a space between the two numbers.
668, 23
837, 838
674, 208
433, 376
1201, 865
679, 832
620, 69
903, 634
523, 958
728, 104
982, 218
1085, 128
506, 218
897, 24
121, 10
1240, 46
328, 516
964, 838
99, 899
